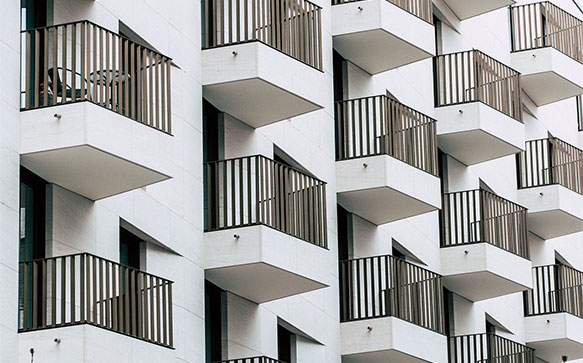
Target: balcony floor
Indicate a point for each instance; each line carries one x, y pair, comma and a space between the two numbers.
260, 85
379, 37
465, 9
482, 271
386, 190
477, 134
263, 264
92, 151
390, 340
555, 335
553, 210
548, 75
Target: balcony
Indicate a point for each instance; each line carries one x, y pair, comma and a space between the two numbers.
262, 60
484, 248
386, 155
547, 48
465, 9
488, 348
384, 301
96, 115
478, 106
266, 232
71, 290
550, 182
554, 313
379, 35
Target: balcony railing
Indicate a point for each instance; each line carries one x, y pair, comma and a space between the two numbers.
292, 27
379, 125
383, 286
550, 161
82, 61
86, 289
477, 216
251, 360
544, 24
579, 100
557, 289
422, 9
472, 76
256, 190
488, 348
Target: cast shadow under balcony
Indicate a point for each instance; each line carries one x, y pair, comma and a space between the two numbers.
379, 35
386, 160
259, 64
477, 104
96, 110
484, 245
465, 9
266, 231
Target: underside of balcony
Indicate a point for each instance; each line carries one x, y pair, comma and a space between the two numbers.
378, 35
465, 9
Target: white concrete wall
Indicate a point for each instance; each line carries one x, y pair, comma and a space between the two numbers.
9, 176
413, 86
309, 140
170, 213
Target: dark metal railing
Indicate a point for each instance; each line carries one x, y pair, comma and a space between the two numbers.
550, 161
293, 27
556, 289
82, 61
544, 24
383, 286
251, 360
488, 348
476, 216
86, 289
473, 76
422, 9
378, 125
257, 190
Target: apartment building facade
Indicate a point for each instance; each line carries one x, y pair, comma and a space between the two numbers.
278, 181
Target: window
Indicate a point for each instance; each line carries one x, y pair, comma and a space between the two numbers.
130, 247
438, 35
286, 345
32, 231
213, 322
344, 234
339, 68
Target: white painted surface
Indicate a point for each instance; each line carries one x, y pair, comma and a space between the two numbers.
378, 36
555, 335
258, 84
465, 9
386, 189
553, 210
93, 151
475, 132
548, 75
263, 264
390, 340
482, 271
